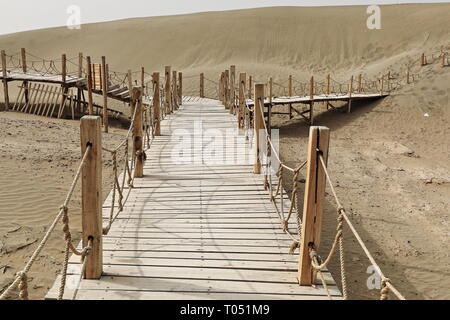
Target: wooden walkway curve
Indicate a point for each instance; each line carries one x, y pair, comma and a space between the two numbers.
196, 230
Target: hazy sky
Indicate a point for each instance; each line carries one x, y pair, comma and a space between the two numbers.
36, 14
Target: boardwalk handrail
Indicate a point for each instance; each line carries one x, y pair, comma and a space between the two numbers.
315, 260
142, 130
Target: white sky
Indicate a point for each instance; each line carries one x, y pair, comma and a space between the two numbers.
21, 15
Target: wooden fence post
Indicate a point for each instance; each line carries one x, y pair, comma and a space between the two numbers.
311, 97
290, 93
423, 61
24, 69
444, 59
269, 114
80, 75
91, 194
328, 84
350, 93
259, 125
314, 202
168, 98
407, 76
5, 81
382, 84
174, 90
89, 86
156, 105
242, 106
105, 94
360, 83
180, 88
233, 89
202, 85
227, 89
138, 135
221, 88
250, 87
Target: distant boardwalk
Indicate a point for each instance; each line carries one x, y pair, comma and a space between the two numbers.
196, 231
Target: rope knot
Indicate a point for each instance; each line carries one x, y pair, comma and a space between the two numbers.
385, 289
294, 246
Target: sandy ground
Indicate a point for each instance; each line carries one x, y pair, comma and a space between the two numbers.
389, 159
38, 159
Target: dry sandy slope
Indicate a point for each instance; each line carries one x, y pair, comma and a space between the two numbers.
390, 162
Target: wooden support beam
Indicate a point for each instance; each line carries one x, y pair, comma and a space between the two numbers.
290, 86
314, 202
259, 125
91, 195
138, 134
233, 89
382, 84
242, 106
202, 85
89, 86
105, 94
80, 75
24, 69
168, 98
5, 81
156, 104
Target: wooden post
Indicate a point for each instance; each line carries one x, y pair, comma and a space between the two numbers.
227, 89
5, 80
202, 85
360, 83
91, 194
350, 93
269, 115
444, 59
105, 94
89, 86
180, 88
168, 98
290, 95
233, 89
311, 97
382, 85
250, 87
138, 135
407, 76
63, 68
314, 202
259, 125
24, 69
242, 107
328, 84
423, 61
80, 75
221, 86
174, 90
156, 104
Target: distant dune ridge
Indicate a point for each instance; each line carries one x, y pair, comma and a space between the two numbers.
261, 41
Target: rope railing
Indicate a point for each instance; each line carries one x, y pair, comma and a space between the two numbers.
21, 280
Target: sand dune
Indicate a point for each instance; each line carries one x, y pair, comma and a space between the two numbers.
390, 159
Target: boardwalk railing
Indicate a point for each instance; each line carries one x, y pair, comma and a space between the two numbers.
308, 239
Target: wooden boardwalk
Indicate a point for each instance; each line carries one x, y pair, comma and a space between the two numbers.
198, 230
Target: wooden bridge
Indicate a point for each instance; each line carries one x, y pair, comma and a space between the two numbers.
197, 209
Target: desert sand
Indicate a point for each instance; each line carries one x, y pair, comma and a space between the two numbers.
390, 159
